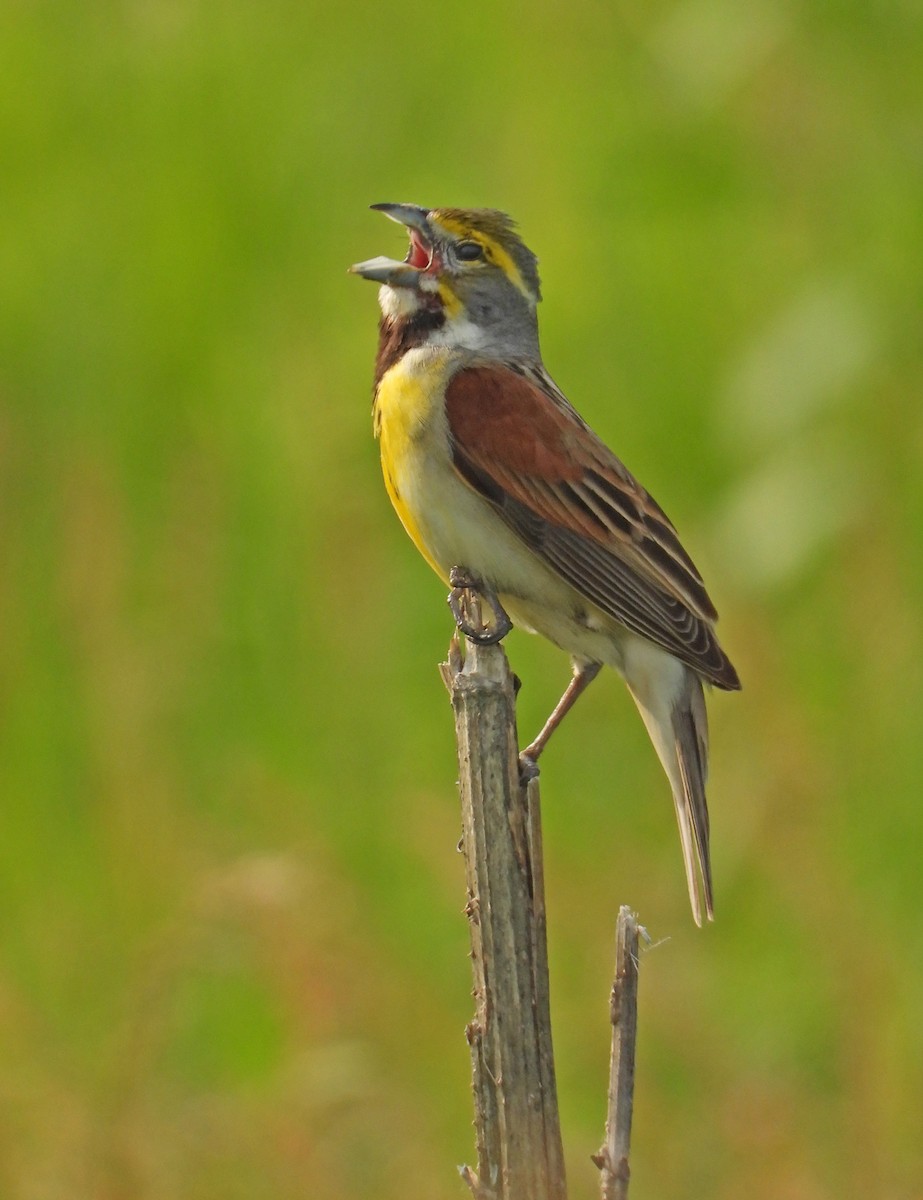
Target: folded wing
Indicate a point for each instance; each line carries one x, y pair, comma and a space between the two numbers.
518, 442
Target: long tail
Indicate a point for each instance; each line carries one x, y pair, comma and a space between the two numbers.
676, 720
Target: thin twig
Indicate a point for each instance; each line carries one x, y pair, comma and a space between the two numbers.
612, 1158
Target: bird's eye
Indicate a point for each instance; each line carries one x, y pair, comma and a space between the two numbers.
469, 251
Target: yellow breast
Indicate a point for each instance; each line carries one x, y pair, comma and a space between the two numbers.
410, 426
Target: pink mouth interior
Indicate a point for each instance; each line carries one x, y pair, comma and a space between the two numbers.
420, 255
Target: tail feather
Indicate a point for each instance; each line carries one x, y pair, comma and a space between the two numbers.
690, 743
673, 710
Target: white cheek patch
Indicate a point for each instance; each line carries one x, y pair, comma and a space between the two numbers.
398, 302
405, 301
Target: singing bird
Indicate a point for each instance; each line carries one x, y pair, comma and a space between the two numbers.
501, 484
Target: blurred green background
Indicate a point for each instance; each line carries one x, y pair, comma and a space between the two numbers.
232, 949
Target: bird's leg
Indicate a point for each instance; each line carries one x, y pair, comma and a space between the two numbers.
463, 601
584, 674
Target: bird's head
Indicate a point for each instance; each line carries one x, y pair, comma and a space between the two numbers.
469, 265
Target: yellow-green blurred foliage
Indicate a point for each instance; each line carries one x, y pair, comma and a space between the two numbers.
232, 951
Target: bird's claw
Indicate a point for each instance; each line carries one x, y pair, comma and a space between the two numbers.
464, 603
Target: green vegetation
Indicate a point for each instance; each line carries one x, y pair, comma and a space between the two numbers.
233, 959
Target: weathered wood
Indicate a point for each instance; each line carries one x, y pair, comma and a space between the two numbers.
612, 1158
517, 1128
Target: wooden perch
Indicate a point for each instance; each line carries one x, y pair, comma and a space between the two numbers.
517, 1128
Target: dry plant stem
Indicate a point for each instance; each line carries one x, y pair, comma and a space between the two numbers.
516, 1117
612, 1158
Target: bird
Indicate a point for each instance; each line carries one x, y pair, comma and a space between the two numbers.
504, 488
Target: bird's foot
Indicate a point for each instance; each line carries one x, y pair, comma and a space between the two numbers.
465, 604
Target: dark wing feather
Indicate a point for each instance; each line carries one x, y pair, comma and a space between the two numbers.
517, 441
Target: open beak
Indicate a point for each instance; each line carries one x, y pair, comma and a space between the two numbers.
419, 258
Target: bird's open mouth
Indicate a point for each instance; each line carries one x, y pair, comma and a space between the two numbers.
420, 254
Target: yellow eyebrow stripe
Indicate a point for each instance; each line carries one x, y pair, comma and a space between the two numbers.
493, 249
